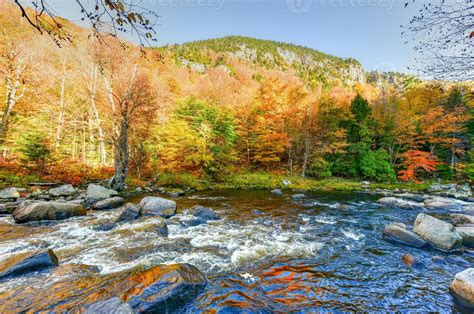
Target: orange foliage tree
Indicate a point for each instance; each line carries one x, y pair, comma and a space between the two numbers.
415, 160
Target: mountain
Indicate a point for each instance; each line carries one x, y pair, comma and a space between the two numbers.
311, 65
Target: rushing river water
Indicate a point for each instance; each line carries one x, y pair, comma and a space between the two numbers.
267, 254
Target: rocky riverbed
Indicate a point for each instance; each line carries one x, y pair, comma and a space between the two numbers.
92, 250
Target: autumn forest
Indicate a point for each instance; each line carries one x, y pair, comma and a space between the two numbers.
213, 108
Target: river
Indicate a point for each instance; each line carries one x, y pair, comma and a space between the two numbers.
268, 253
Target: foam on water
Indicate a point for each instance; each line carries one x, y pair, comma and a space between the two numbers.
218, 246
352, 235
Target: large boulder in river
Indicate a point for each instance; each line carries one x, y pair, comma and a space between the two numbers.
63, 190
157, 206
9, 194
160, 289
130, 212
439, 234
394, 202
467, 234
109, 203
29, 211
463, 287
97, 193
22, 263
397, 233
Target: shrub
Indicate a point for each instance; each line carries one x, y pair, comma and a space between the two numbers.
374, 165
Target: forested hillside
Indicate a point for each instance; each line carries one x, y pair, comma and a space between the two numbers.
217, 107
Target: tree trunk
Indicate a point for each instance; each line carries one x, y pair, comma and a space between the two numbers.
94, 111
110, 97
305, 157
13, 83
121, 157
61, 107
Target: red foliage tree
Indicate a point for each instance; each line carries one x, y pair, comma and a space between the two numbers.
415, 160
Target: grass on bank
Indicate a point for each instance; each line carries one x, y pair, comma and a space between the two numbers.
272, 181
241, 181
267, 181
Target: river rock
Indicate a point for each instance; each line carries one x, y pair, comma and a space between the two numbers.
110, 203
442, 203
298, 196
277, 192
130, 212
160, 289
105, 227
395, 202
162, 229
27, 262
460, 219
4, 210
191, 221
204, 213
439, 234
410, 260
157, 206
463, 287
114, 305
29, 211
9, 194
398, 233
458, 191
97, 193
467, 234
63, 190
176, 193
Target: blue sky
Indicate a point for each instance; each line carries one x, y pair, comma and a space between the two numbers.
368, 30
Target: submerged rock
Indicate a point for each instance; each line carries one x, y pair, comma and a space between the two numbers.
463, 287
162, 229
114, 305
129, 213
28, 211
27, 262
410, 260
63, 190
191, 222
107, 226
298, 196
204, 213
437, 233
397, 233
399, 203
110, 203
157, 206
160, 289
9, 194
